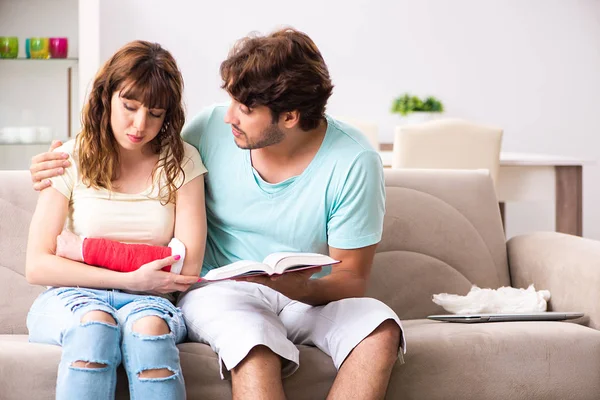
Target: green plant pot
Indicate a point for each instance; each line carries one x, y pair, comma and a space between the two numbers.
419, 117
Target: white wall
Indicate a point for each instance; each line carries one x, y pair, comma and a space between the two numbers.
89, 54
530, 67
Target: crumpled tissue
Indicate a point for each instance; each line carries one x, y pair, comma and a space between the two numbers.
504, 300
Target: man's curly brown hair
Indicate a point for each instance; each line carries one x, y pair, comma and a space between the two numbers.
283, 71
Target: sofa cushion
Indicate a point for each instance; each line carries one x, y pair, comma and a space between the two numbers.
442, 232
405, 280
501, 360
17, 203
28, 371
510, 360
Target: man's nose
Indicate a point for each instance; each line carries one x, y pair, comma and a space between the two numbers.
230, 117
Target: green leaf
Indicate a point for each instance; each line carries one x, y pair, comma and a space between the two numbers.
407, 103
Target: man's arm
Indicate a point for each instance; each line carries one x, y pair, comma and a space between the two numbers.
47, 165
347, 279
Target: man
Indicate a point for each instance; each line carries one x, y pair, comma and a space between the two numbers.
284, 176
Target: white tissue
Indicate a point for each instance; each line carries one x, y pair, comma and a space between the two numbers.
494, 301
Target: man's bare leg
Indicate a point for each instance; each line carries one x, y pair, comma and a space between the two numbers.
258, 376
365, 373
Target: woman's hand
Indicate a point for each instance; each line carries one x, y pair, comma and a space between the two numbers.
150, 278
69, 245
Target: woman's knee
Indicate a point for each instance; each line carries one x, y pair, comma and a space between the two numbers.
98, 316
88, 364
94, 341
151, 325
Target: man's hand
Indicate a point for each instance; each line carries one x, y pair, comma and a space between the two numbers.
47, 165
150, 278
291, 284
69, 245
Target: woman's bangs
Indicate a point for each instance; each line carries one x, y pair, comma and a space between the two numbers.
150, 89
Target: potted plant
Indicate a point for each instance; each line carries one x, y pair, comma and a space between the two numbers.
414, 110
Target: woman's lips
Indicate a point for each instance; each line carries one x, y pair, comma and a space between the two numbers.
135, 139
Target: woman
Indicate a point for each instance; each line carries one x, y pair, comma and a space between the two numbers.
131, 179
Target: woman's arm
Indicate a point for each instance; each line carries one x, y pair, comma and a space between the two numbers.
190, 224
124, 257
44, 267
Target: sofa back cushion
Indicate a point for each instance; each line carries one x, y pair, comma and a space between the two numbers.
17, 203
442, 233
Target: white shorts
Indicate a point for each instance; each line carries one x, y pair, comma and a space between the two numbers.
234, 317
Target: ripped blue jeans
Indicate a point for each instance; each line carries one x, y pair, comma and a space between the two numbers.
55, 318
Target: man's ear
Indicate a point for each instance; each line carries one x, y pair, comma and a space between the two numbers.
289, 119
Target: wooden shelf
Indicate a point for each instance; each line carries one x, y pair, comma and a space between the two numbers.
27, 144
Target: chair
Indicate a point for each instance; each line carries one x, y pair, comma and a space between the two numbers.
448, 144
370, 130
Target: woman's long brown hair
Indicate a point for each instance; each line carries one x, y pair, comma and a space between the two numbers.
149, 74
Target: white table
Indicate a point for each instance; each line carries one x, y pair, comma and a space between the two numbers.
535, 177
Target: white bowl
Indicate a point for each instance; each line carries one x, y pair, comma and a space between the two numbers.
9, 134
28, 134
44, 134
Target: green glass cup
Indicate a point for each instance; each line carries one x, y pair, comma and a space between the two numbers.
9, 47
39, 47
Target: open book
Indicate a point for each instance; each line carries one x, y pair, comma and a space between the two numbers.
276, 263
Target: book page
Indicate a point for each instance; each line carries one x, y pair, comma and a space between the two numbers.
283, 261
236, 269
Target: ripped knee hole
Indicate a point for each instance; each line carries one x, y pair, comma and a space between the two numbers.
87, 364
156, 373
98, 316
151, 325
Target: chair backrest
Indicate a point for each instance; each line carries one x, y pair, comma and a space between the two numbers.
442, 233
369, 129
448, 144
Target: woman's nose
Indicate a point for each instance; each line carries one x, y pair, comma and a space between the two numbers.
139, 121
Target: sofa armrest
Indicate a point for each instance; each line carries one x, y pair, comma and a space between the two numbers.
568, 266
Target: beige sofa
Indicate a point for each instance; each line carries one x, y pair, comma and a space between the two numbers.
442, 234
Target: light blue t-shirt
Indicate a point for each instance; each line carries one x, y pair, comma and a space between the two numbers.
338, 201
